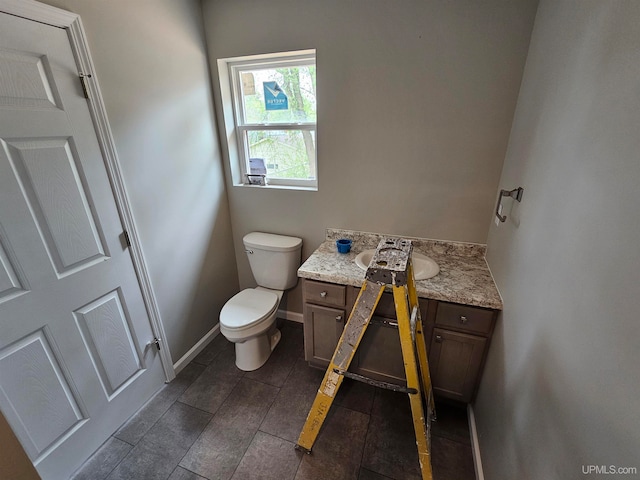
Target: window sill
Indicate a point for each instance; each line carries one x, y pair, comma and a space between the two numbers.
277, 187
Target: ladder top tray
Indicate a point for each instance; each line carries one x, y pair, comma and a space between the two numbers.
390, 262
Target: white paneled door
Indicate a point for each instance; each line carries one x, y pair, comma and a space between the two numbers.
74, 361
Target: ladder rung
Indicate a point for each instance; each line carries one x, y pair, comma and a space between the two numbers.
376, 383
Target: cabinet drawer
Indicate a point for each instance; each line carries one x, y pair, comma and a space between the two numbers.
468, 319
387, 307
324, 293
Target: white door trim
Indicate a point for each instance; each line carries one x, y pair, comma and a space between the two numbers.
39, 12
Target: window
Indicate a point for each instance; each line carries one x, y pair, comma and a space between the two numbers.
270, 118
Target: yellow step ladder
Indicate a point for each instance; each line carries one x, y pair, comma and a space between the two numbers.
390, 266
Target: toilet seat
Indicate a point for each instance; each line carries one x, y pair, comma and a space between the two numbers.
248, 308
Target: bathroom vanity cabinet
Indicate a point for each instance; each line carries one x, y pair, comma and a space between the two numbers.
457, 338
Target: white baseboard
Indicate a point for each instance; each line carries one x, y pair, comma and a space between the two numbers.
475, 444
293, 316
215, 331
196, 349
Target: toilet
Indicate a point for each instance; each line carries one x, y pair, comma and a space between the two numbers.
248, 318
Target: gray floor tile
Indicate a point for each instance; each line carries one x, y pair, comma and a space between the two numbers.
369, 475
140, 423
390, 404
183, 474
212, 388
291, 407
211, 351
337, 450
452, 423
451, 460
294, 333
226, 359
187, 376
218, 451
391, 447
356, 396
100, 465
180, 426
368, 434
148, 461
268, 458
282, 359
209, 394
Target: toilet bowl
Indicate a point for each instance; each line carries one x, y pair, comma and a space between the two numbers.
248, 318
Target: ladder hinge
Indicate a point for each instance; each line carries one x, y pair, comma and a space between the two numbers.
126, 238
156, 340
83, 82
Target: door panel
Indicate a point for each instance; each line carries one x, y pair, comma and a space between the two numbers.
12, 282
34, 388
107, 335
53, 186
29, 83
73, 323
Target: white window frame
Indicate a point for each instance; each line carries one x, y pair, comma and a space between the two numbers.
234, 115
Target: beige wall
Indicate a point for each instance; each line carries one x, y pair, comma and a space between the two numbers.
415, 105
560, 387
151, 64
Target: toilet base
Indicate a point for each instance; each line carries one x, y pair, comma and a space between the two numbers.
255, 352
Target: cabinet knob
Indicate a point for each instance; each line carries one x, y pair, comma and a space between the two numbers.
463, 319
323, 294
438, 338
339, 318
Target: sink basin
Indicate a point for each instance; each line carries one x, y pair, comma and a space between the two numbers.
423, 266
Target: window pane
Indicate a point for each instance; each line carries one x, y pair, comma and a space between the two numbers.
286, 153
279, 95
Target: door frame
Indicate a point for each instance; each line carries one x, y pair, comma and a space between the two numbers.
71, 22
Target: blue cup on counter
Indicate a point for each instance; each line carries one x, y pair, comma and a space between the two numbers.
343, 245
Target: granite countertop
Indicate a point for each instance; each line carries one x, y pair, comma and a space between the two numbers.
464, 275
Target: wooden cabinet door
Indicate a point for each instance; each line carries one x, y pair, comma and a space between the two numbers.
454, 362
380, 354
322, 330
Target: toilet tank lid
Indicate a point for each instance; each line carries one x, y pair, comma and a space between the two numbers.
272, 242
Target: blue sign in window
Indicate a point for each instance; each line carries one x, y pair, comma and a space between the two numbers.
274, 97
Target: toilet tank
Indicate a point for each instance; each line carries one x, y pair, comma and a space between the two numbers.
274, 259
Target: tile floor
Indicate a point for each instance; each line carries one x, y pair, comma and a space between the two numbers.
216, 422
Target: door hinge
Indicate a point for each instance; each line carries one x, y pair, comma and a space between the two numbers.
127, 240
83, 82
